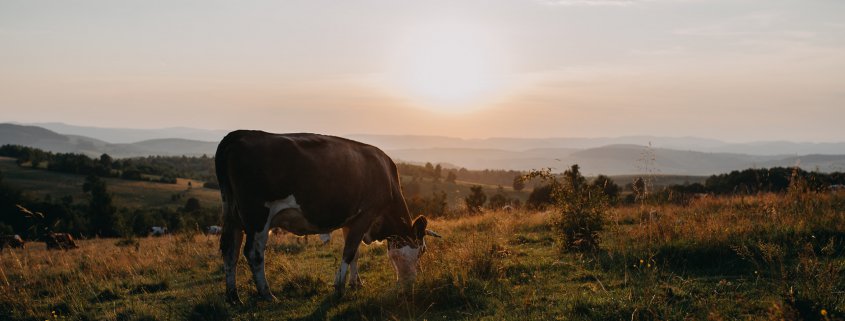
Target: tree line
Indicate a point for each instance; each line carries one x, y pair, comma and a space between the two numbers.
164, 169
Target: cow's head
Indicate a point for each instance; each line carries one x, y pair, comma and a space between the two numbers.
405, 252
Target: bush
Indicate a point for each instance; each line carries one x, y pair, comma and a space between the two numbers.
475, 199
580, 208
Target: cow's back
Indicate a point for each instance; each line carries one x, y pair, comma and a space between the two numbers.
332, 178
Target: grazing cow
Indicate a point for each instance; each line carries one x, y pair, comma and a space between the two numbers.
311, 184
158, 230
59, 241
12, 241
213, 230
324, 238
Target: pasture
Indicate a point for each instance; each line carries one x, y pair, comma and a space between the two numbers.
754, 257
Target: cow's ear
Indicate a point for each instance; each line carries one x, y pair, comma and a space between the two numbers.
419, 226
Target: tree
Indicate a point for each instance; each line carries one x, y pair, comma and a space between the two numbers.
518, 183
451, 177
429, 169
540, 197
438, 171
102, 214
606, 184
476, 199
192, 205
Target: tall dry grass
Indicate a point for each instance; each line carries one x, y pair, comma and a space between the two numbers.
751, 257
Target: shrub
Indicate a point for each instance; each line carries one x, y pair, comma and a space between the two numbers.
580, 208
475, 199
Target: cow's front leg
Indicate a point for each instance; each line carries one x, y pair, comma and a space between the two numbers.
354, 278
350, 251
254, 252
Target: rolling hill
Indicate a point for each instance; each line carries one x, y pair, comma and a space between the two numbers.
493, 153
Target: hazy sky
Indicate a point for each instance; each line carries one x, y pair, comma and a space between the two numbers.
738, 70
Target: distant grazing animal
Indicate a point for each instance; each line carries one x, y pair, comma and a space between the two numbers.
158, 231
12, 241
324, 238
213, 230
59, 241
507, 208
312, 184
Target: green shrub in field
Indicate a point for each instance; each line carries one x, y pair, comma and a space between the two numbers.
581, 209
476, 199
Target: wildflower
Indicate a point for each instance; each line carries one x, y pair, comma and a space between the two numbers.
824, 312
641, 261
648, 266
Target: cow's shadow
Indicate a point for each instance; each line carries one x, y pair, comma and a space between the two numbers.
322, 310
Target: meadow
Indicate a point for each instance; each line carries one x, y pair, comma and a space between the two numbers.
766, 256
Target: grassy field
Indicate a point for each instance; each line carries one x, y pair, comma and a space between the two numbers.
131, 194
770, 257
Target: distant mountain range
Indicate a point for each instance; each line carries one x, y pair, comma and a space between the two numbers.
612, 156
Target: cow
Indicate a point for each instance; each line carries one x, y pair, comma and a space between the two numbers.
12, 241
324, 238
213, 230
158, 230
59, 241
312, 184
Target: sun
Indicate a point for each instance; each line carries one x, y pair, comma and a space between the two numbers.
447, 67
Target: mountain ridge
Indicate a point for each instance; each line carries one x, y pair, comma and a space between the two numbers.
621, 158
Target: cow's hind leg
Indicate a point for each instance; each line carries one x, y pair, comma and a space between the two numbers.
231, 238
256, 242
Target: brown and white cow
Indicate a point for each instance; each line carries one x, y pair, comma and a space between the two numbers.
311, 184
12, 241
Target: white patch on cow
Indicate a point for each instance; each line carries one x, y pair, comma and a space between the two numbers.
404, 261
260, 243
287, 214
354, 278
340, 278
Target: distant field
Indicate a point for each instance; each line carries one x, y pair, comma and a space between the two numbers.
40, 183
770, 257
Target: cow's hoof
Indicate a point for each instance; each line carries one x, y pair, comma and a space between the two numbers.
338, 291
355, 285
269, 297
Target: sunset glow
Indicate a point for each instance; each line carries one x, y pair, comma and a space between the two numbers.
447, 67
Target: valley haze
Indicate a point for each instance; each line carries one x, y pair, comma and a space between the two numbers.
605, 155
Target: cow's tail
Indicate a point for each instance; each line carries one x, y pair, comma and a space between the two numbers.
231, 220
222, 170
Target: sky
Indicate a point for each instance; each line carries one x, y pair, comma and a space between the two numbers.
736, 70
